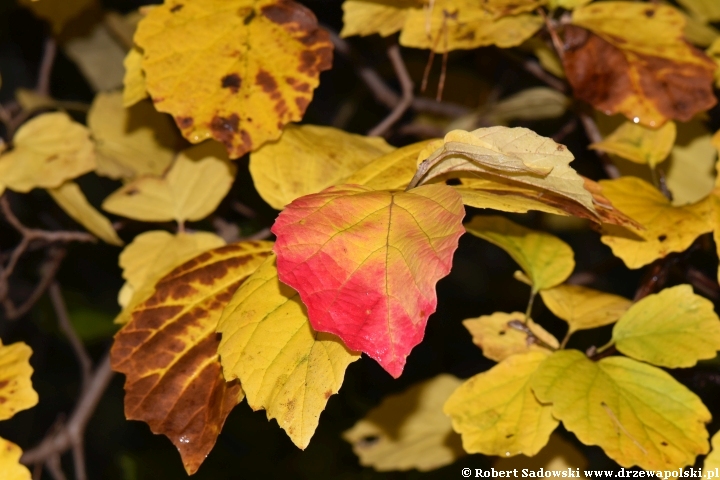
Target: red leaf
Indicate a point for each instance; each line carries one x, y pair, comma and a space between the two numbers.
366, 262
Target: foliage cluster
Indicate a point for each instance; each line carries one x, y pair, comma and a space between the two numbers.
275, 316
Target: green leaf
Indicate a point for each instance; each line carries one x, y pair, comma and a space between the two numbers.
546, 259
673, 328
637, 413
496, 412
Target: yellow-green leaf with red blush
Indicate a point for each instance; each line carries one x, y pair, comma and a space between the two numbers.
365, 262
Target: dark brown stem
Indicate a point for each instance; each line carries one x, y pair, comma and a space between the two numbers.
46, 65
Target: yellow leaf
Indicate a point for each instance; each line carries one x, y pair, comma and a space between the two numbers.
190, 190
674, 328
667, 228
58, 13
698, 32
152, 255
392, 171
705, 10
48, 150
98, 55
16, 391
690, 170
640, 144
73, 201
516, 154
712, 461
409, 430
546, 259
557, 455
503, 196
234, 70
499, 340
10, 464
583, 308
567, 4
130, 142
497, 413
637, 413
284, 366
134, 88
365, 17
309, 158
467, 24
31, 100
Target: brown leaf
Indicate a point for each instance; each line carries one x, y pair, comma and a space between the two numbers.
168, 351
650, 75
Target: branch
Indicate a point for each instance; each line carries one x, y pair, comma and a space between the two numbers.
406, 85
383, 93
71, 434
593, 133
46, 65
58, 303
47, 274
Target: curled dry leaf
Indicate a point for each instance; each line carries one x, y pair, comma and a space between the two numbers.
16, 391
667, 228
310, 158
616, 61
245, 82
190, 190
48, 150
547, 260
168, 351
499, 340
130, 142
637, 413
674, 328
409, 430
497, 413
284, 366
10, 465
73, 201
366, 262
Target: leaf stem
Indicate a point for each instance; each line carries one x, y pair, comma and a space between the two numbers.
528, 310
565, 339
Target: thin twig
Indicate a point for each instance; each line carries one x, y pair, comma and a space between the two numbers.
406, 84
536, 70
58, 303
46, 65
385, 95
593, 134
71, 435
703, 283
48, 270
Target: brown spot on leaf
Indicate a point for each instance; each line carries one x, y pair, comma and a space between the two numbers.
224, 129
52, 158
231, 81
177, 8
328, 394
131, 191
3, 400
266, 81
4, 384
184, 122
662, 238
290, 15
664, 444
650, 13
302, 103
249, 18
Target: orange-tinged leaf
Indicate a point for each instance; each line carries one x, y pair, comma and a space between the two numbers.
16, 391
366, 262
285, 367
615, 60
499, 340
234, 70
168, 351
